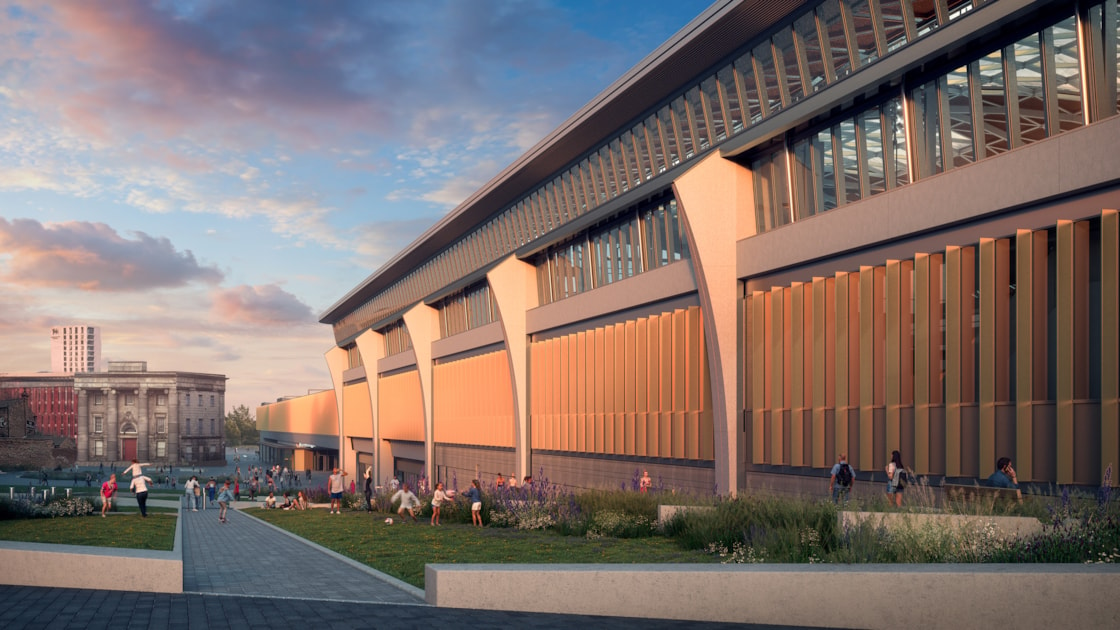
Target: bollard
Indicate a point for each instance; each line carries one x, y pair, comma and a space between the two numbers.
44, 495
68, 493
12, 493
52, 491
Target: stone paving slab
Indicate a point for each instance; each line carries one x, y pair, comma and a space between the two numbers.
35, 607
246, 556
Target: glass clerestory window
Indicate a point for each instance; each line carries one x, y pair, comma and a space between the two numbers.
641, 239
1026, 90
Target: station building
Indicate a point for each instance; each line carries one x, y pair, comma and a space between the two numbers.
794, 230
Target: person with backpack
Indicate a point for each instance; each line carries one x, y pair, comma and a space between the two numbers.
897, 479
843, 476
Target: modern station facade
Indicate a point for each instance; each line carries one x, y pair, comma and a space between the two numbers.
796, 229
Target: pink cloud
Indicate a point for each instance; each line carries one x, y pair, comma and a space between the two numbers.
94, 257
264, 305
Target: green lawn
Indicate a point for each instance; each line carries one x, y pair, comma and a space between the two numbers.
402, 550
119, 530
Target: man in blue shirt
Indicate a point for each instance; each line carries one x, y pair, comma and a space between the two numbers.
1004, 476
843, 476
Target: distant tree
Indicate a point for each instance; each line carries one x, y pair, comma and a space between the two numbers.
241, 427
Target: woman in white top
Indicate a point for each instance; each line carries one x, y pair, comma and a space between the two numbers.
438, 499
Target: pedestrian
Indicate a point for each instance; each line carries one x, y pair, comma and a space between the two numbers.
409, 502
193, 493
896, 479
368, 491
474, 495
211, 491
225, 497
353, 488
499, 481
139, 485
108, 489
841, 479
645, 482
439, 497
335, 485
89, 480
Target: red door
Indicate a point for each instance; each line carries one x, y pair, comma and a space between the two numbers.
128, 449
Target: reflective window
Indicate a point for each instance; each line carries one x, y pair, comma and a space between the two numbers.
810, 43
612, 252
767, 76
1067, 73
771, 205
833, 34
712, 106
785, 58
993, 104
894, 23
864, 32
730, 91
748, 88
957, 100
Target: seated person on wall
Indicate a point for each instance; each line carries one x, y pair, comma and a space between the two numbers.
1004, 477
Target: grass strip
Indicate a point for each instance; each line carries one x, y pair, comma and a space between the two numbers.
401, 550
119, 531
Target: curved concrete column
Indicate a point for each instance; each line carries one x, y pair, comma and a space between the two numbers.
337, 362
514, 286
422, 322
371, 347
714, 199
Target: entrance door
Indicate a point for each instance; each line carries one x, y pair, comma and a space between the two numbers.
128, 449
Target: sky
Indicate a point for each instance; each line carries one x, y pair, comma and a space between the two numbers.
203, 179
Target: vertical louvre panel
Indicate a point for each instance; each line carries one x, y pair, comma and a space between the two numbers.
1072, 344
797, 373
995, 279
1110, 342
757, 307
843, 358
894, 365
820, 321
959, 362
1030, 340
777, 373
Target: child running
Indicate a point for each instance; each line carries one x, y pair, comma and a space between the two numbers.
438, 499
225, 497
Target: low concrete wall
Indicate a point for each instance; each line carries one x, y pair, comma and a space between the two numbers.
872, 596
75, 566
1006, 525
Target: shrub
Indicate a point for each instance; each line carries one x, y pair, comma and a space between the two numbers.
610, 524
27, 507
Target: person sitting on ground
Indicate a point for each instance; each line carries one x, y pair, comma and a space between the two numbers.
270, 501
287, 505
1004, 477
409, 502
300, 501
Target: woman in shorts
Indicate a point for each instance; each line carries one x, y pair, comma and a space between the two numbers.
474, 495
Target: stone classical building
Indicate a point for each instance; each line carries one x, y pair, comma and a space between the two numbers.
160, 417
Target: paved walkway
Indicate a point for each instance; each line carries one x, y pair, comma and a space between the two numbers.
246, 556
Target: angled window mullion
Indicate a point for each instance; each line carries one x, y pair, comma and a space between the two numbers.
820, 26
850, 34
976, 102
878, 27
801, 61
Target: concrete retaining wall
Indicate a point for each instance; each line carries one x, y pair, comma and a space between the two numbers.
873, 596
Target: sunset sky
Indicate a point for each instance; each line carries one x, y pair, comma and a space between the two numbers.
202, 180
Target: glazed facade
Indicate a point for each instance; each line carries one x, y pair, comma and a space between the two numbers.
796, 229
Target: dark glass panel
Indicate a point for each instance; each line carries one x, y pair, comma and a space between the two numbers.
833, 32
806, 27
865, 31
764, 63
993, 103
787, 64
1066, 60
894, 23
956, 98
730, 91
